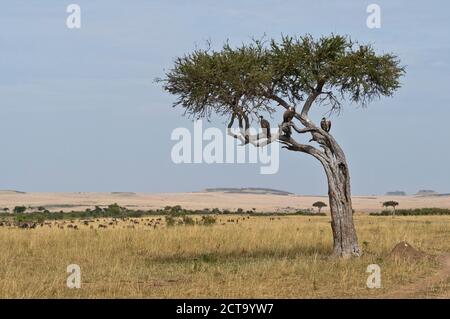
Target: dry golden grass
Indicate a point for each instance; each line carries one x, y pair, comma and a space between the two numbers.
259, 257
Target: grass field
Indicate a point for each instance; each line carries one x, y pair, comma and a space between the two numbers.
260, 257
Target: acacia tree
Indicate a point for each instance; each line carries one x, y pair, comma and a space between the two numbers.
319, 205
301, 72
391, 203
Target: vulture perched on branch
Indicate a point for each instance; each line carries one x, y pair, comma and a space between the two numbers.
288, 115
265, 125
325, 125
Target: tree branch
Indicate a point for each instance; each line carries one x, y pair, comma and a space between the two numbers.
293, 145
304, 117
325, 140
258, 140
304, 130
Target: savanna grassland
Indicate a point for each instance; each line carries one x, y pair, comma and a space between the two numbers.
238, 256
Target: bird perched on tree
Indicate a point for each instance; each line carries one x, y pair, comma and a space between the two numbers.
265, 125
325, 125
288, 115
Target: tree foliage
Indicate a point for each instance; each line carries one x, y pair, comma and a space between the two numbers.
390, 203
319, 204
249, 78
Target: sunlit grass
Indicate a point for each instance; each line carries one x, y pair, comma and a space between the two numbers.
282, 257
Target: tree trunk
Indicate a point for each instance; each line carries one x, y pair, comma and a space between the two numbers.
344, 232
334, 162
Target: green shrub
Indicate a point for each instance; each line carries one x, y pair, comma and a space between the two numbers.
114, 210
414, 212
303, 213
19, 209
175, 211
173, 214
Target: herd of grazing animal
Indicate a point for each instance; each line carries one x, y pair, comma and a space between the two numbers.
288, 116
106, 223
103, 223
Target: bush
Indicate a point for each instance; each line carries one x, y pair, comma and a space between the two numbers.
19, 209
174, 211
415, 212
97, 210
170, 221
173, 214
114, 210
188, 221
302, 213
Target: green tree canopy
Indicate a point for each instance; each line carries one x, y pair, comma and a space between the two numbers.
251, 77
390, 203
319, 204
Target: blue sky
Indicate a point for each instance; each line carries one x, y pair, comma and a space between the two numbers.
79, 110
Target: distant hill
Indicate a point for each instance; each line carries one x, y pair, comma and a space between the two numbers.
248, 190
396, 193
10, 191
426, 192
432, 194
123, 193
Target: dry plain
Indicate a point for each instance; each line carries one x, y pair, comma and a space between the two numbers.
200, 200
